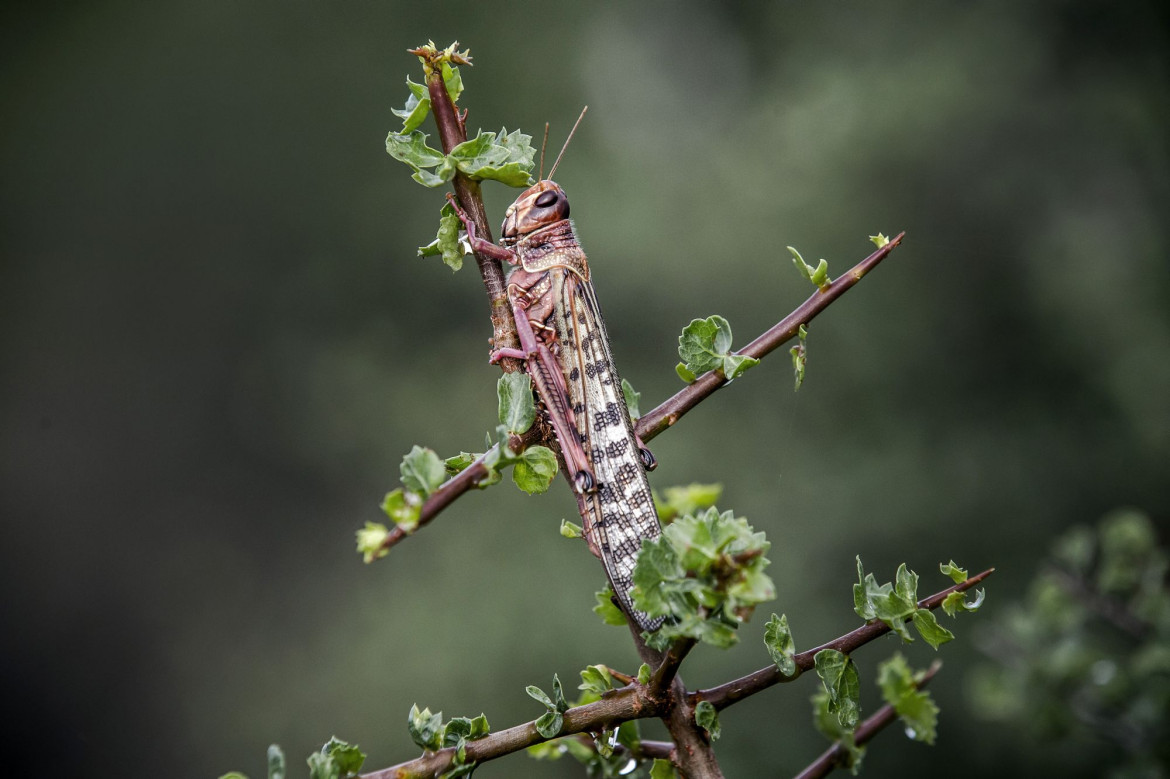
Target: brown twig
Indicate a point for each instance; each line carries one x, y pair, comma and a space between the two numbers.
834, 756
726, 694
655, 421
665, 415
452, 133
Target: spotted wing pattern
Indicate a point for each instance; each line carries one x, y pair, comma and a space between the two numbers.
620, 512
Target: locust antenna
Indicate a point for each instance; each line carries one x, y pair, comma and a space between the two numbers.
558, 162
540, 176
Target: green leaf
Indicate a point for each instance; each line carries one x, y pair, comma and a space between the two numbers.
707, 573
955, 602
452, 80
705, 345
799, 356
662, 769
736, 365
631, 398
839, 675
887, 602
915, 707
818, 275
370, 540
879, 240
233, 775
550, 723
536, 469
446, 243
686, 499
778, 640
708, 719
403, 508
928, 627
539, 695
704, 342
425, 728
644, 672
323, 767
417, 107
347, 756
503, 157
596, 679
422, 470
605, 608
413, 150
571, 529
958, 575
517, 408
460, 462
276, 762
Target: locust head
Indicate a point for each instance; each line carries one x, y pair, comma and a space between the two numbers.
539, 206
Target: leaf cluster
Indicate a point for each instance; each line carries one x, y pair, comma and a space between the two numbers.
428, 731
705, 345
896, 602
705, 573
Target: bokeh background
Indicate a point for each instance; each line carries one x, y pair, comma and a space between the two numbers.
218, 342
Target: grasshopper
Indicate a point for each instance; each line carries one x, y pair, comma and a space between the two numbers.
565, 349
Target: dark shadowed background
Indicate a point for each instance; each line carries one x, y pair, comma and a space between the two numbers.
217, 343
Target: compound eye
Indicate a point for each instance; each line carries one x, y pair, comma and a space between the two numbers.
546, 198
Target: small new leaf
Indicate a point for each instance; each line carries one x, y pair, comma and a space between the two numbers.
631, 398
403, 508
839, 676
799, 356
276, 762
705, 345
818, 275
708, 719
644, 673
504, 157
915, 707
958, 575
425, 728
662, 769
370, 540
413, 150
422, 470
928, 627
687, 499
571, 529
879, 240
596, 679
517, 408
704, 342
610, 614
536, 468
956, 602
417, 107
778, 640
446, 243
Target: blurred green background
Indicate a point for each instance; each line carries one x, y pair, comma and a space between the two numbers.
217, 344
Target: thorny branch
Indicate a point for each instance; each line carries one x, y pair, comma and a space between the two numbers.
637, 701
665, 415
833, 757
726, 694
666, 695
